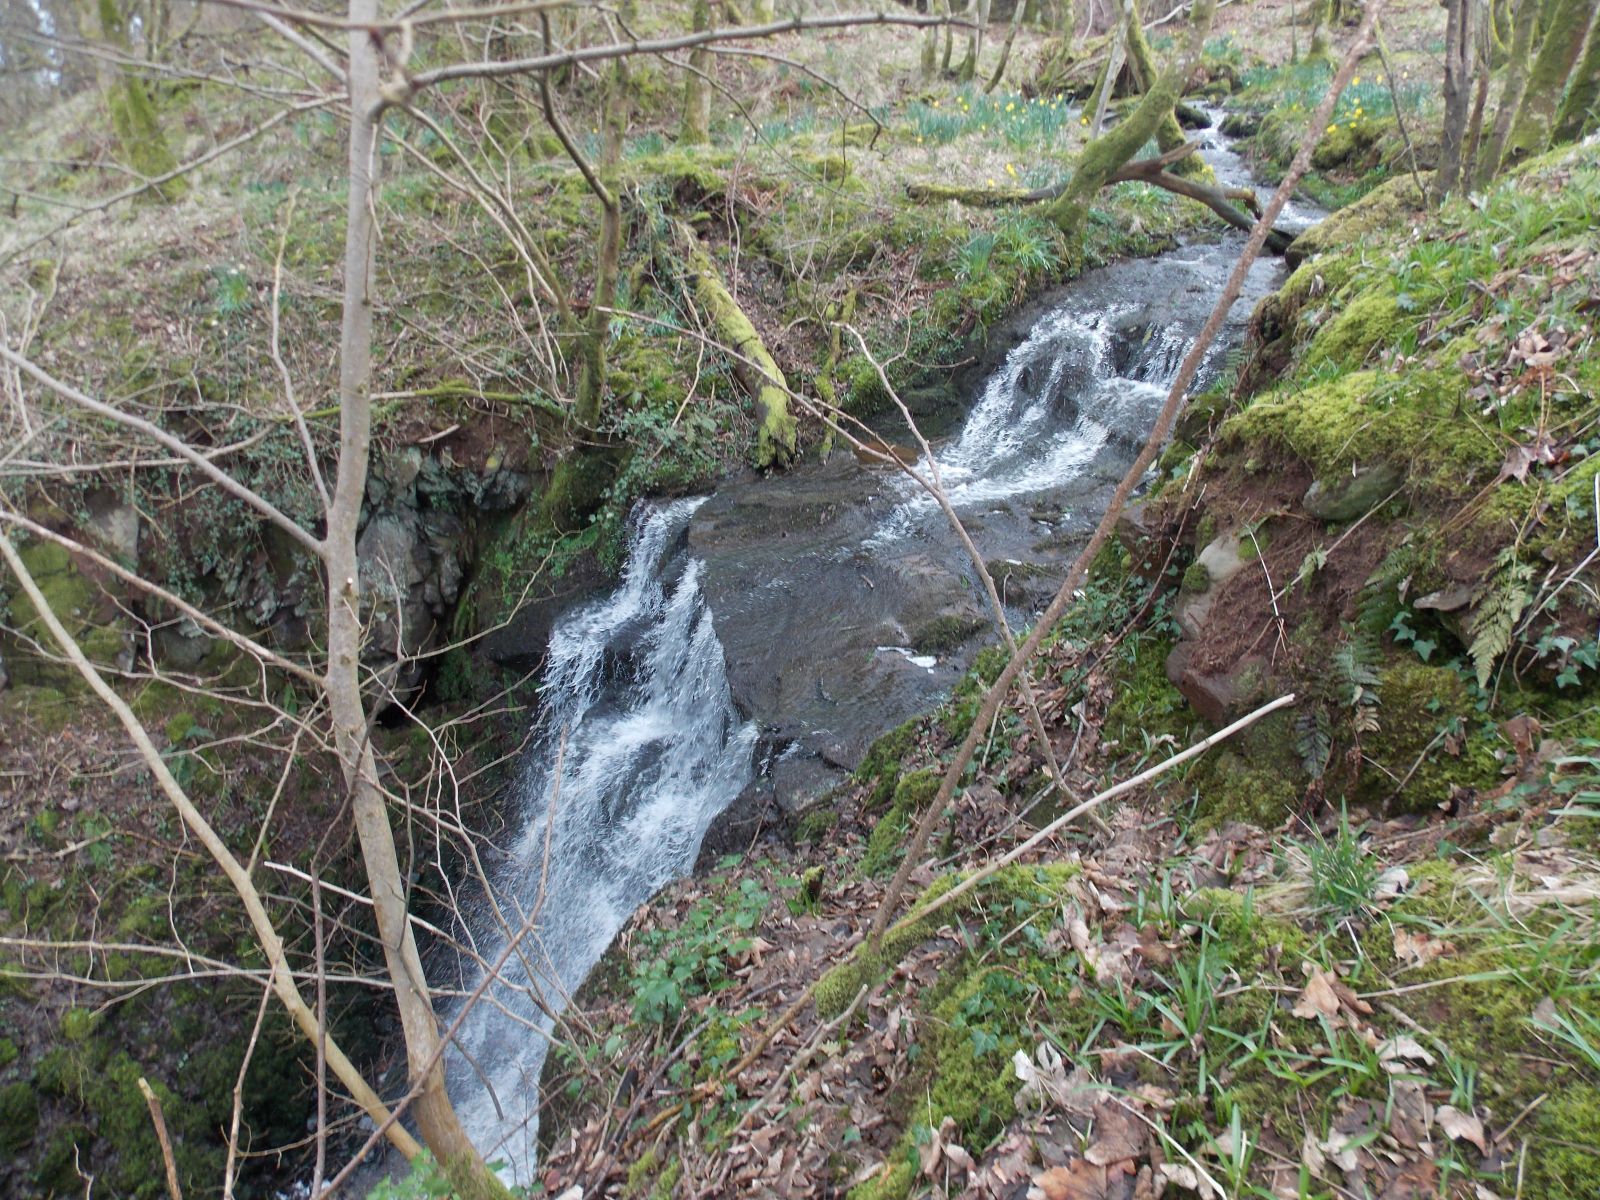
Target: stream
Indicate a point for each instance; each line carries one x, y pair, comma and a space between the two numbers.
762, 637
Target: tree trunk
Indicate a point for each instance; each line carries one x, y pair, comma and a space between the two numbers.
1101, 96
1169, 134
1510, 94
1480, 98
695, 129
1580, 107
1005, 51
1324, 14
1102, 157
592, 381
134, 119
436, 1117
930, 43
1563, 41
1457, 93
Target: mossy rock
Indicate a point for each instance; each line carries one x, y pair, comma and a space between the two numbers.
884, 761
77, 603
1231, 788
911, 795
1417, 704
1377, 214
944, 634
1367, 321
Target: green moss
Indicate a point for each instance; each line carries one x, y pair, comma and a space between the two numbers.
1232, 788
1563, 1160
1196, 578
8, 1052
1359, 418
1146, 705
944, 634
1370, 219
1367, 321
815, 825
1418, 706
883, 763
19, 1117
1026, 884
911, 796
78, 1024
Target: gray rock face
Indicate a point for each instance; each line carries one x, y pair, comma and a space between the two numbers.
810, 619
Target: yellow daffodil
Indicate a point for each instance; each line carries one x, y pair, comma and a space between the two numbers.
991, 183
1011, 170
1011, 106
1330, 129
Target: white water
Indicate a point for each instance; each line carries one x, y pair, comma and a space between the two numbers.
653, 750
1051, 407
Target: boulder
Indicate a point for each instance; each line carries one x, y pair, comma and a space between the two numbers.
1347, 499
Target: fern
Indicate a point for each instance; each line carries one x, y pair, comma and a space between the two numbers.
1379, 598
1355, 670
1498, 603
1313, 740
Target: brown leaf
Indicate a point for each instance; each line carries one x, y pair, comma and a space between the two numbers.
1462, 1127
1319, 998
1082, 1180
1410, 1115
1119, 1137
1418, 949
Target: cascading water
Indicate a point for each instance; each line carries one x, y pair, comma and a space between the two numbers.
639, 717
812, 576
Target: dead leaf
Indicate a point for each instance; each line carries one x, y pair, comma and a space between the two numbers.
1462, 1127
1079, 1180
1397, 1052
1410, 1114
1319, 999
1418, 949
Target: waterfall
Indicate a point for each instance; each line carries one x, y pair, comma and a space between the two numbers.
638, 714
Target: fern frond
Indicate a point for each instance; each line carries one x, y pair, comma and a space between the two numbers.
1498, 603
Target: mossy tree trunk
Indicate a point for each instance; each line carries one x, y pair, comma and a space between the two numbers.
753, 365
978, 10
134, 119
1527, 15
930, 41
1169, 134
695, 128
1324, 15
1558, 50
592, 373
1102, 157
1580, 107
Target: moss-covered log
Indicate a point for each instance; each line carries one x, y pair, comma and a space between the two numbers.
753, 365
1558, 51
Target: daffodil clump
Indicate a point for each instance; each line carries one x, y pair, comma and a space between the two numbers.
1022, 122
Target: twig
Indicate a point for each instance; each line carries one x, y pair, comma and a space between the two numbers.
156, 1119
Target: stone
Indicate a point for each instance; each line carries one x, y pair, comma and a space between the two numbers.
115, 525
1348, 499
1221, 695
801, 780
1220, 561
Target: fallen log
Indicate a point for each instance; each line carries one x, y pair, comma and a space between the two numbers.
753, 365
